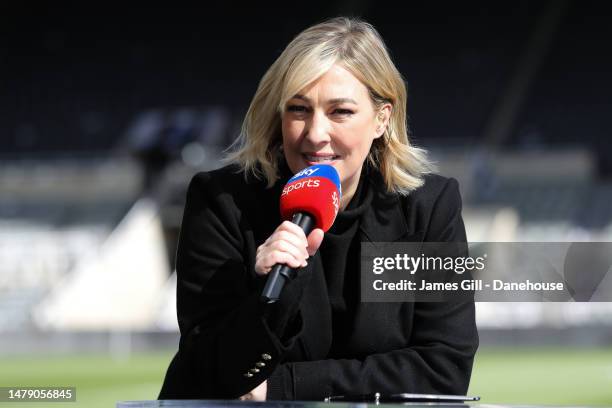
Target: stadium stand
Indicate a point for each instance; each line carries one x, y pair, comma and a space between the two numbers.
104, 122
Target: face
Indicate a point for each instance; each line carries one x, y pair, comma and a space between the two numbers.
332, 121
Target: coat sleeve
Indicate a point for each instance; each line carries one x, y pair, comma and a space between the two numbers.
229, 343
437, 358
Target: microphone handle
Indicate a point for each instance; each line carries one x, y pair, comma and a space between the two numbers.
281, 273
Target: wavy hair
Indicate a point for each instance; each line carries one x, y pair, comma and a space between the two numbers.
359, 48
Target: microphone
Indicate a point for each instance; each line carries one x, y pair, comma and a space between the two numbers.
310, 199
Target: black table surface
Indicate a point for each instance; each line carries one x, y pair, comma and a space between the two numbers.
307, 404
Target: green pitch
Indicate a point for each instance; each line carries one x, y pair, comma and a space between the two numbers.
508, 376
563, 376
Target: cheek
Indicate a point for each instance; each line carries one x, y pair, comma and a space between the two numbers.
291, 131
358, 138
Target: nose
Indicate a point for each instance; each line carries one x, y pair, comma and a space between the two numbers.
317, 131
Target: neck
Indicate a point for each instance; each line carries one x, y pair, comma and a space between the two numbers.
348, 191
345, 200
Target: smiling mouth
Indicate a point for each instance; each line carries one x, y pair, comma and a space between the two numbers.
320, 158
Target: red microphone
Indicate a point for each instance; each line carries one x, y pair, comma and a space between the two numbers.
310, 199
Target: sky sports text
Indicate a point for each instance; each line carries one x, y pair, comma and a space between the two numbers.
300, 184
309, 171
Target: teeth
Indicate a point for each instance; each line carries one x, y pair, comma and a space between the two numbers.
319, 158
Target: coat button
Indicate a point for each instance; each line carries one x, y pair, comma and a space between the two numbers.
254, 370
266, 356
248, 375
260, 364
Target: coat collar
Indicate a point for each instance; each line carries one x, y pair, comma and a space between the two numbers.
384, 221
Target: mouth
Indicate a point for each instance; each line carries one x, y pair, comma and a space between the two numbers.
320, 158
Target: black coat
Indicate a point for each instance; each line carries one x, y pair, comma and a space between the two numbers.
230, 343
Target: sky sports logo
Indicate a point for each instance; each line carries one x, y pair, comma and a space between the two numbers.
336, 201
309, 171
309, 183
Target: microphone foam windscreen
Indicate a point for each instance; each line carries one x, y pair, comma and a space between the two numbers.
315, 190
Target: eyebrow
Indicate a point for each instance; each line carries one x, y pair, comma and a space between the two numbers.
329, 101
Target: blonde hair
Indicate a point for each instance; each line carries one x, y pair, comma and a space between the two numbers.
357, 46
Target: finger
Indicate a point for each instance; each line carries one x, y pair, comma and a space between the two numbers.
279, 252
315, 238
291, 227
260, 267
299, 254
298, 242
284, 258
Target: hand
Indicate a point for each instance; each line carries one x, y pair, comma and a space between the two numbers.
259, 393
287, 245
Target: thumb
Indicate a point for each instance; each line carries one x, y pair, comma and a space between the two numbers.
314, 240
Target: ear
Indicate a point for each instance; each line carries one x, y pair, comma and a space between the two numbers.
382, 119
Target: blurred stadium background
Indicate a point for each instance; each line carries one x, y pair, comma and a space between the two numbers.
106, 113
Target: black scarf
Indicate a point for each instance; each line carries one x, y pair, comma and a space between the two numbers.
340, 257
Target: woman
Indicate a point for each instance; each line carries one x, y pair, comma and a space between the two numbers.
333, 96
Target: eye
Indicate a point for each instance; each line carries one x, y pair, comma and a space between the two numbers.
297, 108
340, 111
